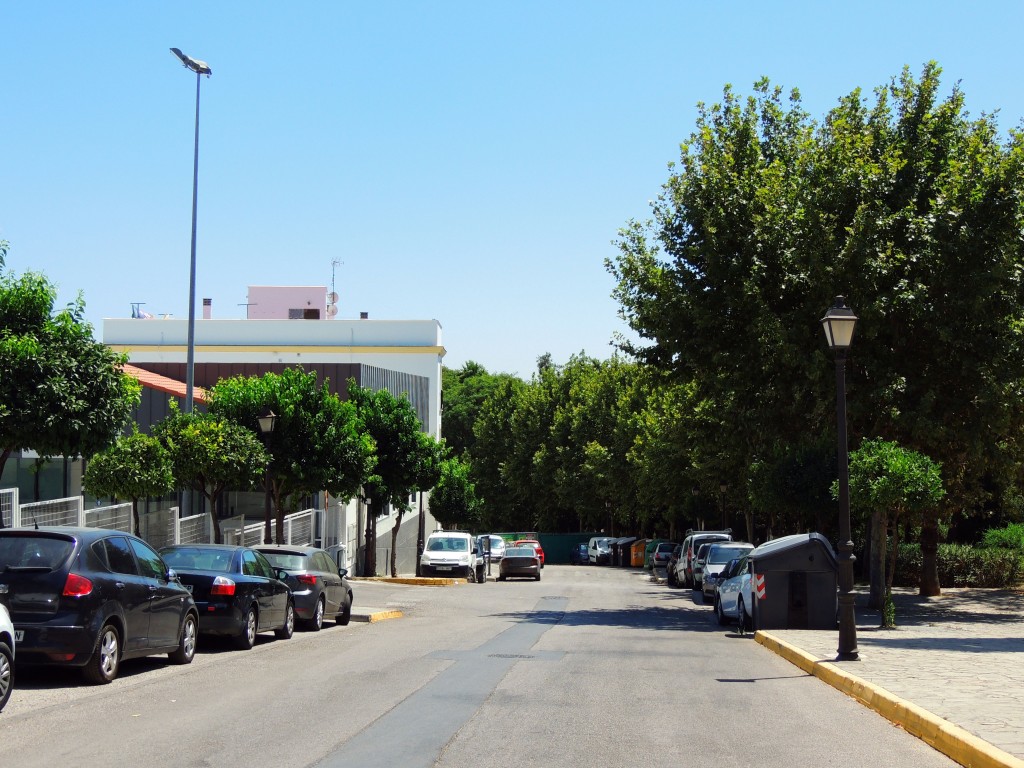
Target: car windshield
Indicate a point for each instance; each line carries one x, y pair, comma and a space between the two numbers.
448, 544
194, 558
289, 561
665, 548
702, 553
725, 554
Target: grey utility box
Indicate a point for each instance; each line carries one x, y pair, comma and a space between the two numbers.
800, 583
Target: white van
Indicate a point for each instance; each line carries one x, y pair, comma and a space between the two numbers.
598, 550
451, 553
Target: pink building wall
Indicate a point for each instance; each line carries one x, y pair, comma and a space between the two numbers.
275, 302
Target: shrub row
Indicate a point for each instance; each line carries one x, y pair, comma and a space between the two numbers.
961, 565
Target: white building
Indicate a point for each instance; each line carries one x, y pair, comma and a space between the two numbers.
402, 356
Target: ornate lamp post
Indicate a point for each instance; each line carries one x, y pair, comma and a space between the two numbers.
267, 422
839, 323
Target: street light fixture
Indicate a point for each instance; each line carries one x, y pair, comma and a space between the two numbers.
839, 324
267, 422
200, 68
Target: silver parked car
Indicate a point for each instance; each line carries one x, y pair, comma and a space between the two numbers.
733, 603
718, 557
318, 585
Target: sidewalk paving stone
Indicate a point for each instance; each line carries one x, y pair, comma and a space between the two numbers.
959, 656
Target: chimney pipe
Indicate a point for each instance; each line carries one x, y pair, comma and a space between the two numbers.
364, 315
207, 309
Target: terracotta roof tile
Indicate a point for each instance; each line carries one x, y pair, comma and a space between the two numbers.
163, 383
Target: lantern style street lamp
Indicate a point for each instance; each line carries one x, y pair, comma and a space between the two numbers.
839, 324
267, 422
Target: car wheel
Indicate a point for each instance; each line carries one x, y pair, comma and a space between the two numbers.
187, 644
6, 674
537, 577
345, 616
102, 666
246, 637
741, 612
315, 623
285, 632
722, 618
500, 578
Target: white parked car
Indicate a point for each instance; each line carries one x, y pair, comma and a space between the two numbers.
6, 651
452, 553
733, 604
718, 557
599, 550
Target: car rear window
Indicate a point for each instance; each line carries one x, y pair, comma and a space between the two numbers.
188, 558
289, 561
33, 552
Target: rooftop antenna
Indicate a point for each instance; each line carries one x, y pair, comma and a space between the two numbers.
247, 305
332, 297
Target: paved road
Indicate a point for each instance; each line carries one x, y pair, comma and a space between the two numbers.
591, 666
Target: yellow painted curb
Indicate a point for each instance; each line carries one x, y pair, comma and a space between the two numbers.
952, 740
418, 581
372, 618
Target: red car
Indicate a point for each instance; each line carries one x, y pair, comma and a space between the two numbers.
532, 543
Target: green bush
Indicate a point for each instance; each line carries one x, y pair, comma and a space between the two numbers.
962, 566
1010, 537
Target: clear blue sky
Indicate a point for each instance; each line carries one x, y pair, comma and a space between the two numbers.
464, 161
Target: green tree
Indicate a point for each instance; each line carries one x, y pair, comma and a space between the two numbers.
61, 392
211, 454
889, 483
902, 203
318, 442
134, 467
453, 501
404, 460
463, 394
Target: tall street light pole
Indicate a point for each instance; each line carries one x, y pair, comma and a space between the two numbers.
267, 422
839, 323
200, 68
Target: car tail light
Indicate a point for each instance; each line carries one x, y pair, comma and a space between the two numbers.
222, 586
77, 586
307, 578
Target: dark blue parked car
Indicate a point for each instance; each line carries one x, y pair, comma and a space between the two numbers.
578, 555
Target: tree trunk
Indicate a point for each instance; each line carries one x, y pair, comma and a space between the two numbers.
394, 545
135, 517
370, 558
929, 557
876, 564
890, 573
748, 515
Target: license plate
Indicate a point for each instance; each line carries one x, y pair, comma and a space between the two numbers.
19, 635
444, 567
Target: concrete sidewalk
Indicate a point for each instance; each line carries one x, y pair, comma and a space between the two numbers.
951, 673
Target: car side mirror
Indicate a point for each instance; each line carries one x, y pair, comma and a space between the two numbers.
282, 574
171, 575
343, 572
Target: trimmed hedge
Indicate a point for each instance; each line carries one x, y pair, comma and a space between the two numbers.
961, 565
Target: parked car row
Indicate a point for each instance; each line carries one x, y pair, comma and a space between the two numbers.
91, 598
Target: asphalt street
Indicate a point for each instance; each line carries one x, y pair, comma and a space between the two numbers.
590, 666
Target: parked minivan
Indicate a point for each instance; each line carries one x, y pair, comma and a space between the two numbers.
598, 550
688, 554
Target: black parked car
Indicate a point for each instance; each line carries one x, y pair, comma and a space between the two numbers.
318, 585
92, 598
237, 591
578, 555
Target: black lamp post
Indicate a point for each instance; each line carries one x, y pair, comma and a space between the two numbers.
839, 323
722, 488
267, 422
